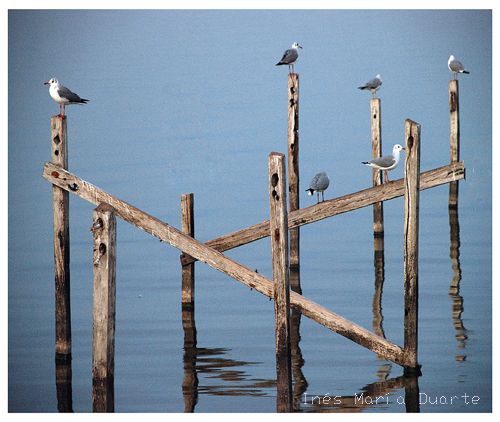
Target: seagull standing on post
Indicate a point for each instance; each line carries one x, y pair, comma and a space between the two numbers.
455, 66
290, 56
318, 184
62, 95
389, 162
373, 85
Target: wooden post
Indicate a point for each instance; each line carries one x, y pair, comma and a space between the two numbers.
378, 207
60, 200
279, 248
187, 216
103, 343
293, 171
411, 220
454, 138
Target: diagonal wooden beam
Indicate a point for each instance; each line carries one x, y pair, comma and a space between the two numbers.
166, 233
342, 204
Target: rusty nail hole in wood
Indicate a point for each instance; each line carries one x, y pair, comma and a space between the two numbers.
73, 187
102, 248
274, 180
57, 140
55, 174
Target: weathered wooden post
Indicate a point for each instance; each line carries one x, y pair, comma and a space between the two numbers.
378, 207
187, 217
293, 174
454, 138
279, 249
103, 343
411, 221
60, 200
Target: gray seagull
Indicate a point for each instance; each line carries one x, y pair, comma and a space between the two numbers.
372, 85
455, 66
290, 56
62, 95
386, 163
318, 184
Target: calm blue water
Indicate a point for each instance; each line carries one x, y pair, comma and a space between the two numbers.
190, 101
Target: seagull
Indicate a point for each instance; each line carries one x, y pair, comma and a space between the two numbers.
318, 184
62, 95
389, 162
373, 85
455, 66
290, 56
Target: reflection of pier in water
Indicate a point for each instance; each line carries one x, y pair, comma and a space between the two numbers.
454, 291
212, 364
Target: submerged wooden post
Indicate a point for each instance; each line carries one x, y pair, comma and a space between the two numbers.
60, 200
279, 248
103, 343
187, 216
411, 221
293, 170
378, 207
454, 138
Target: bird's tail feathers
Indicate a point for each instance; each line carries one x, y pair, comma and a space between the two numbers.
365, 162
84, 101
362, 87
310, 192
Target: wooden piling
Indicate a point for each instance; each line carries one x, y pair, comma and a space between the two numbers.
378, 207
187, 217
104, 305
293, 169
60, 200
204, 253
411, 221
279, 248
454, 138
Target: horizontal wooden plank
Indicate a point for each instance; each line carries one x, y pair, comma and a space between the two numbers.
166, 233
342, 204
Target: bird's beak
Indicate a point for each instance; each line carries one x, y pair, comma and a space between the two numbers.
404, 149
300, 46
46, 83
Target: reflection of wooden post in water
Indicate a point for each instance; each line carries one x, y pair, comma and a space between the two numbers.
279, 249
103, 343
64, 386
190, 381
187, 217
412, 395
412, 181
293, 170
60, 199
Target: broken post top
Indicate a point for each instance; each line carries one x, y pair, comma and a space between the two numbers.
278, 154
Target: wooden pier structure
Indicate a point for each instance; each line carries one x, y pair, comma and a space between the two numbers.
282, 227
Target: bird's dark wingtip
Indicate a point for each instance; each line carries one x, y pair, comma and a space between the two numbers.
466, 71
365, 162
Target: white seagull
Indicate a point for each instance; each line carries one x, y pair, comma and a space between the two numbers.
373, 85
318, 184
62, 95
290, 56
389, 162
455, 66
